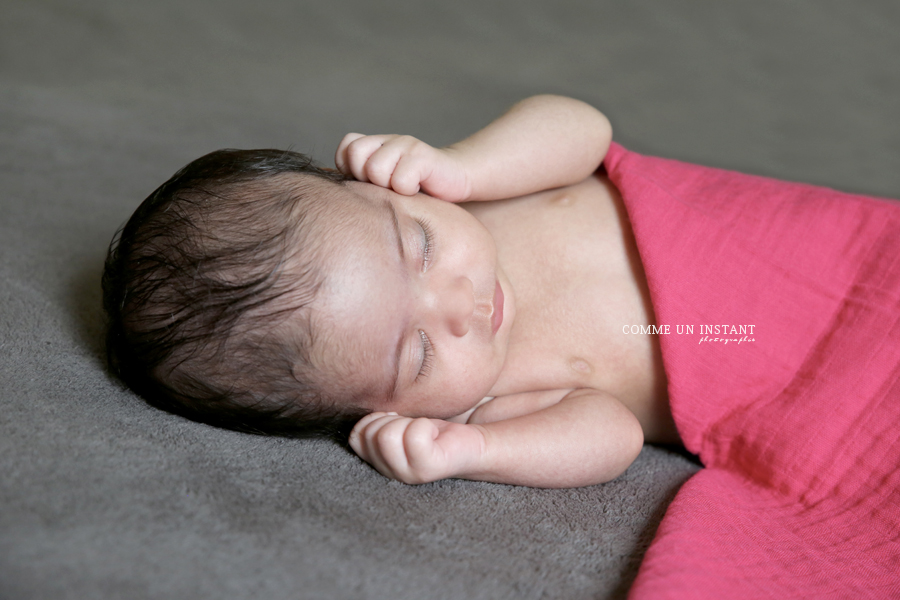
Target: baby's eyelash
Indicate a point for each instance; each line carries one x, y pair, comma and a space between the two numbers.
428, 249
428, 353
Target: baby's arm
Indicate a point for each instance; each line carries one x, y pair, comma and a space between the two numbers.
587, 437
542, 142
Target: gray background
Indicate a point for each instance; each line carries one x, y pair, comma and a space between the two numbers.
100, 101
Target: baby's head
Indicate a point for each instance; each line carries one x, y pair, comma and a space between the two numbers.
258, 292
201, 285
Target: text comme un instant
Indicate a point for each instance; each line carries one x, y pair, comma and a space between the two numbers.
689, 329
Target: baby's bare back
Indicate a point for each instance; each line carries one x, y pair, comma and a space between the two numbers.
570, 256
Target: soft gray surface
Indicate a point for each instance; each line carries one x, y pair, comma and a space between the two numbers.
100, 101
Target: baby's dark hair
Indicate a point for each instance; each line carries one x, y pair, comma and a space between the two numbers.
207, 291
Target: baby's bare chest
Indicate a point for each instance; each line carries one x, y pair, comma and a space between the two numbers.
571, 259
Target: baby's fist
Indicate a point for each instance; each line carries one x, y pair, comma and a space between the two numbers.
416, 450
404, 164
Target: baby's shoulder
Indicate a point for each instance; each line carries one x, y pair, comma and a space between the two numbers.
551, 215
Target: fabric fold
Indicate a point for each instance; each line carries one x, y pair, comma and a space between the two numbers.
783, 366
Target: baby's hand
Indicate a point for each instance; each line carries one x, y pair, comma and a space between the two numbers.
404, 164
416, 450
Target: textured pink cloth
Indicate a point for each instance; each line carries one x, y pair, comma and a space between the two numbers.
798, 424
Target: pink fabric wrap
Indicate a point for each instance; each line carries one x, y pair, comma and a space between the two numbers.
798, 429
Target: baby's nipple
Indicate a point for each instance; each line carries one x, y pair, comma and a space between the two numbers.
580, 366
564, 198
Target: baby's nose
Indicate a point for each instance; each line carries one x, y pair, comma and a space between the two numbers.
456, 302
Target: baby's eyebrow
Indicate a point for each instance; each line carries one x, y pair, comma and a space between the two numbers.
395, 222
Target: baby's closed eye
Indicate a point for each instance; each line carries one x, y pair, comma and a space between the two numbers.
427, 243
427, 356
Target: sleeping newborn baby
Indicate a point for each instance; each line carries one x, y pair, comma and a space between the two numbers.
527, 306
461, 309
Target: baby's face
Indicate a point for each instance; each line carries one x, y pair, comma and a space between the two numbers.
415, 306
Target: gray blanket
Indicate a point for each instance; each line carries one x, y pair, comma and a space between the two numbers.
100, 101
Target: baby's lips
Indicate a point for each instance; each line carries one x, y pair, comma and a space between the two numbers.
497, 315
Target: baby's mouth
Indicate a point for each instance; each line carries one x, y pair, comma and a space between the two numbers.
497, 314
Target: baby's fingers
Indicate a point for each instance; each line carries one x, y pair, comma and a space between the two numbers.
399, 447
340, 155
408, 174
420, 447
388, 445
382, 163
354, 152
364, 430
398, 162
378, 439
407, 450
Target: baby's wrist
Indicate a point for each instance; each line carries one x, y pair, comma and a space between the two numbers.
457, 158
472, 456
